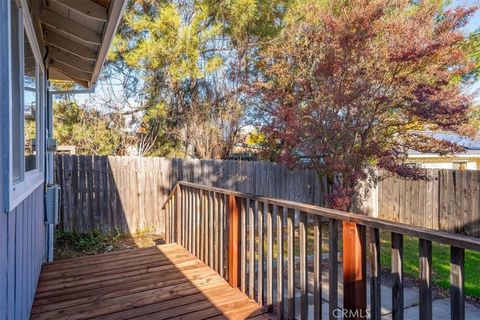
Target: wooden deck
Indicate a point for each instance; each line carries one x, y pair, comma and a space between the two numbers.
163, 282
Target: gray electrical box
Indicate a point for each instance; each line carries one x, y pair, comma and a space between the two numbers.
52, 204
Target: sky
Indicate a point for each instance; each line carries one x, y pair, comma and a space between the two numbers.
473, 25
475, 21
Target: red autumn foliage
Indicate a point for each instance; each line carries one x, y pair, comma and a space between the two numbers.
350, 84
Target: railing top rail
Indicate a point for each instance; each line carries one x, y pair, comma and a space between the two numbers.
442, 237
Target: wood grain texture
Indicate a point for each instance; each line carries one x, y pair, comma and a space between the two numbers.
375, 276
291, 264
354, 269
332, 267
425, 296
397, 276
234, 208
447, 201
127, 193
133, 183
457, 282
317, 268
302, 230
263, 211
184, 288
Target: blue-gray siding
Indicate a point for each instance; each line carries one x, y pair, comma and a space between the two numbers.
22, 252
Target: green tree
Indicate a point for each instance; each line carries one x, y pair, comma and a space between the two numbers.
89, 130
192, 59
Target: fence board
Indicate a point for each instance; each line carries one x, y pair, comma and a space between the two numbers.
126, 193
447, 201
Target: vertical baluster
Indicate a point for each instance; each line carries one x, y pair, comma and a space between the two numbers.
203, 227
280, 291
234, 209
302, 226
243, 239
425, 297
457, 271
211, 197
226, 223
354, 268
174, 239
200, 226
269, 218
196, 233
397, 276
251, 251
185, 215
167, 222
216, 232
221, 234
291, 265
206, 222
187, 202
196, 227
261, 256
189, 221
178, 210
375, 279
332, 267
172, 222
189, 218
317, 268
195, 222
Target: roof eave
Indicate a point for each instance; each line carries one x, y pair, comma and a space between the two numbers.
114, 17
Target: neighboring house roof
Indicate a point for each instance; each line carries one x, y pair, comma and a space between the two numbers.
472, 146
76, 35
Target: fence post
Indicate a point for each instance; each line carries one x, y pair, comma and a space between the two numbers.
178, 211
233, 240
354, 270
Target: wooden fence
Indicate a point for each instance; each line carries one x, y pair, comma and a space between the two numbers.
104, 193
448, 201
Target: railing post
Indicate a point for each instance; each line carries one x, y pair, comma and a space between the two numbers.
233, 240
457, 282
178, 212
354, 271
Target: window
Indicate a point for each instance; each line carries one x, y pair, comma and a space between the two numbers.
26, 124
16, 26
30, 112
460, 165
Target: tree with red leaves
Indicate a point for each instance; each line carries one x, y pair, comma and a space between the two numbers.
349, 85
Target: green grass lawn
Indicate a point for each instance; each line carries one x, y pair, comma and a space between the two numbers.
440, 260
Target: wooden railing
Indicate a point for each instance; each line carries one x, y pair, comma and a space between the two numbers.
225, 229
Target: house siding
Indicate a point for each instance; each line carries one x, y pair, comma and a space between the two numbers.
22, 242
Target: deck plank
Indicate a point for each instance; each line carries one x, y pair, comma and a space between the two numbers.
77, 283
161, 282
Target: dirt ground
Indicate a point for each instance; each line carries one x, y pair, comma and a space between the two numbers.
70, 245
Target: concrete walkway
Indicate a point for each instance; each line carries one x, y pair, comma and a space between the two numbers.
441, 306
